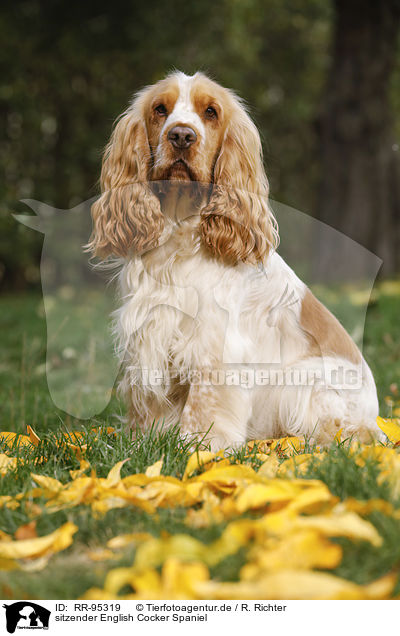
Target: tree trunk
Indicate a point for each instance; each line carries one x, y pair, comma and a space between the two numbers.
360, 191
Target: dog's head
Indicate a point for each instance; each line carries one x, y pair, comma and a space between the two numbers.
185, 129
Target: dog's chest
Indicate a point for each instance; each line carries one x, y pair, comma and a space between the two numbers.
186, 311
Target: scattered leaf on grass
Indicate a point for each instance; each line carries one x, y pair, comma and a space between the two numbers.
196, 460
7, 463
27, 531
391, 428
40, 546
288, 520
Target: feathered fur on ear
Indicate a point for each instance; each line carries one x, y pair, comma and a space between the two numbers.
237, 223
127, 216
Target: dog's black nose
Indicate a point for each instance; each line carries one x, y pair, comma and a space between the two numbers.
181, 136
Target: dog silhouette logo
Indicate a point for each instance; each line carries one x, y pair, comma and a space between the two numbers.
83, 358
26, 615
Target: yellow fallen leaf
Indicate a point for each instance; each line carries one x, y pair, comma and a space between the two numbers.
262, 457
287, 445
347, 525
79, 450
166, 493
50, 486
26, 531
10, 438
74, 437
7, 501
269, 467
102, 494
292, 585
390, 473
139, 479
110, 430
33, 548
262, 445
83, 467
155, 469
177, 580
303, 549
296, 465
7, 437
34, 439
145, 579
227, 478
79, 491
381, 454
214, 510
7, 463
257, 495
114, 476
196, 460
312, 500
382, 588
390, 427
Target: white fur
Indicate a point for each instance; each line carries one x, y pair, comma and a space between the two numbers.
183, 311
184, 112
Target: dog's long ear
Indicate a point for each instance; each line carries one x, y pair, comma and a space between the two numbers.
127, 216
237, 223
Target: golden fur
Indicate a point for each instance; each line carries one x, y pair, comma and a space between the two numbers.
327, 336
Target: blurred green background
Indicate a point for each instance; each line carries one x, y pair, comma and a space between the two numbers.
321, 77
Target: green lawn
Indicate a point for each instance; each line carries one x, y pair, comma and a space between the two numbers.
25, 400
24, 393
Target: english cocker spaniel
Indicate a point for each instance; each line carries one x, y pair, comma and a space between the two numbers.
215, 330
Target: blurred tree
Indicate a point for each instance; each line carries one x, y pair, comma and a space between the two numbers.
68, 69
360, 190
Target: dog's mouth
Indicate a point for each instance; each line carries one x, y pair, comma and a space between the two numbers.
167, 183
180, 171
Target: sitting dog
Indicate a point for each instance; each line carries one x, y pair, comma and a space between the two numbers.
205, 297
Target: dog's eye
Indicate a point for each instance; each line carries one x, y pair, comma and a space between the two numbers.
161, 110
211, 113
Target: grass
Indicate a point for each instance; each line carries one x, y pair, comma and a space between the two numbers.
25, 400
345, 478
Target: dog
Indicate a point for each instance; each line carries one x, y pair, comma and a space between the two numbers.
206, 300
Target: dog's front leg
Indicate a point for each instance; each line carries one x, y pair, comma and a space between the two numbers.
217, 414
